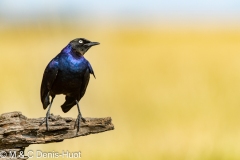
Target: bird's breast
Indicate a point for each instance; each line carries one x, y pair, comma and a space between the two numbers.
73, 65
70, 76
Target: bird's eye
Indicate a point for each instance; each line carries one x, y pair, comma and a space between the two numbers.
80, 41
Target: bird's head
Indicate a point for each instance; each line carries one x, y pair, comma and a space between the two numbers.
81, 45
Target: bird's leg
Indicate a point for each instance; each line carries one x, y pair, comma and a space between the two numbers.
79, 117
47, 114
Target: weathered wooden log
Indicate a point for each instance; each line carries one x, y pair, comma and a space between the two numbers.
17, 131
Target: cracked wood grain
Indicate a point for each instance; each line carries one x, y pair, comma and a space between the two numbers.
17, 131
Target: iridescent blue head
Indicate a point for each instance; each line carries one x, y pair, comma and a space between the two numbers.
81, 45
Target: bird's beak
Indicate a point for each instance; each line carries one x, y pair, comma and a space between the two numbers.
91, 44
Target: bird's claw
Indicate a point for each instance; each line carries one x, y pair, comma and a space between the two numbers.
45, 120
77, 122
83, 119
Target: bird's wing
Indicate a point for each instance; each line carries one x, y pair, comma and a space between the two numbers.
49, 76
85, 81
91, 70
86, 78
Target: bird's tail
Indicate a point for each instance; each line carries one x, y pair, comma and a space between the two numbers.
68, 104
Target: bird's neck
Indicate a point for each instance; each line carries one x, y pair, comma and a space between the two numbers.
68, 50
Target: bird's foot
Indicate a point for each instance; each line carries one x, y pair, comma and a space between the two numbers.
45, 119
77, 123
83, 119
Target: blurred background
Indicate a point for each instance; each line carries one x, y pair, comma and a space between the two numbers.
167, 72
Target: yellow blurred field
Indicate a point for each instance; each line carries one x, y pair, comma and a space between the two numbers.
172, 93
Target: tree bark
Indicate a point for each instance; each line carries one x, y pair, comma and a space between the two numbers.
17, 131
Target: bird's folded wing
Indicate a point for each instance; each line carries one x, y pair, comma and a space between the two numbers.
49, 76
91, 69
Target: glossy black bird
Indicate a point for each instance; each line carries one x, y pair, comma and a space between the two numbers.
68, 73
